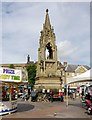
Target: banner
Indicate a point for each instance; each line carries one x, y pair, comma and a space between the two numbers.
10, 75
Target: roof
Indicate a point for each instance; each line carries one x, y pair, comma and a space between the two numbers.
87, 67
17, 64
72, 68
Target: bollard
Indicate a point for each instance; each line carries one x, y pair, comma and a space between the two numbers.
55, 114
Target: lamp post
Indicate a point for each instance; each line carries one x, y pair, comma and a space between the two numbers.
61, 79
66, 86
67, 96
66, 90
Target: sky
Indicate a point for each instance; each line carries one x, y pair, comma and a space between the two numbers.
23, 21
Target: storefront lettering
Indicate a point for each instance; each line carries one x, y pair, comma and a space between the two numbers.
8, 71
15, 77
4, 76
9, 77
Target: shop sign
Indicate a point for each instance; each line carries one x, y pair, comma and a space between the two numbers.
10, 75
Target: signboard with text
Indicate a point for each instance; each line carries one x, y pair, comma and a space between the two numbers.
24, 76
10, 75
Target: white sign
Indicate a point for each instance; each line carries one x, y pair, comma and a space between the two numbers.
10, 75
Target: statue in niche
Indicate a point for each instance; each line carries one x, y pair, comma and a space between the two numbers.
50, 52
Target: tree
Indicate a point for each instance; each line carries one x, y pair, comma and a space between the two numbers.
31, 69
11, 66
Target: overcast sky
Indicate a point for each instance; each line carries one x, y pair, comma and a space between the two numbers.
23, 21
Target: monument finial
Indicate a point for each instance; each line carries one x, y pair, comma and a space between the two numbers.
47, 10
47, 21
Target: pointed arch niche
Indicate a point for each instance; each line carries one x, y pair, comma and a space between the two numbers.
48, 51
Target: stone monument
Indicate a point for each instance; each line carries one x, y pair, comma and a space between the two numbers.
48, 74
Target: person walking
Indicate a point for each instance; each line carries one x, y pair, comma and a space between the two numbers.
74, 95
51, 96
61, 96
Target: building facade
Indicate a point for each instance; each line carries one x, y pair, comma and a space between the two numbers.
72, 70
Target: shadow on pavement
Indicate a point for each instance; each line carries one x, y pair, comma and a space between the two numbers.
76, 104
24, 107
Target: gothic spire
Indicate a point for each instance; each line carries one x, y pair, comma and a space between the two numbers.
47, 21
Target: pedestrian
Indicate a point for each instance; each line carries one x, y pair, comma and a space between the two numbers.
82, 92
88, 96
48, 94
51, 96
74, 95
61, 96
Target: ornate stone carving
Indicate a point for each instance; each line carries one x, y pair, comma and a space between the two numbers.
47, 56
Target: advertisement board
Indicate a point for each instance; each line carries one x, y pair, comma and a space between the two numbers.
10, 75
24, 76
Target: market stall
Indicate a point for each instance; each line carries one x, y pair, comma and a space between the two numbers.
9, 81
84, 77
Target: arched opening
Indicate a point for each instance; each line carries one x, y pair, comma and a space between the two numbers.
49, 52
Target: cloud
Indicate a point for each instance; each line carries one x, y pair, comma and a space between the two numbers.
0, 33
22, 23
46, 1
66, 50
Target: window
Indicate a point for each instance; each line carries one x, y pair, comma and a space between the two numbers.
72, 74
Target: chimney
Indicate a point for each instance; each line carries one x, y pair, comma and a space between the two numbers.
28, 59
65, 64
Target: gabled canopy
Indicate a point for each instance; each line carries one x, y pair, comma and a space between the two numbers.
87, 76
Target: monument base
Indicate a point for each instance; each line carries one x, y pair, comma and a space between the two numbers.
48, 83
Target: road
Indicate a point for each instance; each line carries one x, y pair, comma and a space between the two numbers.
56, 109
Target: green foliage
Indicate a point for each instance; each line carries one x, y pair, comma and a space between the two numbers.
11, 66
31, 69
55, 90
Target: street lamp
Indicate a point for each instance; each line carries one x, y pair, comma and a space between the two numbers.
67, 96
66, 84
61, 78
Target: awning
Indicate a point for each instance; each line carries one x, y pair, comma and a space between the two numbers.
87, 76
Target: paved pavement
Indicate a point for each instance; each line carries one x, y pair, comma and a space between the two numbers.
55, 109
